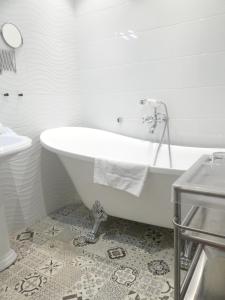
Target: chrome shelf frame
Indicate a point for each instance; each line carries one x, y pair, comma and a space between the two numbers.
196, 226
201, 236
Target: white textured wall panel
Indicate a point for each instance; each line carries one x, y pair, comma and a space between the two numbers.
171, 50
89, 62
34, 182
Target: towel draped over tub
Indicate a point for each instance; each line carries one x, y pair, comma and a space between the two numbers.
120, 175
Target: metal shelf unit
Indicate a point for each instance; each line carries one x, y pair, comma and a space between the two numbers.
201, 187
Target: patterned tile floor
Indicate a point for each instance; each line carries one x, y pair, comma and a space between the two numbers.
130, 261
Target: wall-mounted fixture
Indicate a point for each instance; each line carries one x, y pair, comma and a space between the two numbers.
156, 118
7, 60
153, 120
7, 94
12, 37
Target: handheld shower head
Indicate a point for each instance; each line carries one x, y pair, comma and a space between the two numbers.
158, 116
153, 102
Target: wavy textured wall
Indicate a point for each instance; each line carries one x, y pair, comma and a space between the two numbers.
84, 56
34, 182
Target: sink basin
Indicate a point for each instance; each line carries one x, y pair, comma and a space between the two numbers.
10, 143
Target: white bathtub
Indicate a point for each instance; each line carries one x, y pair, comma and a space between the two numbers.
77, 147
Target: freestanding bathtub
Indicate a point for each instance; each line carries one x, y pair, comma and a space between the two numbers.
77, 147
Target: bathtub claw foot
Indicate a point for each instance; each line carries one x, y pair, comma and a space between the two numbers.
91, 238
100, 216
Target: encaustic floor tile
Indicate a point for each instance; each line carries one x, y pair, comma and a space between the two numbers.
130, 261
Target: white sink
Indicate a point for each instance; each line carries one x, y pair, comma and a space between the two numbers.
10, 143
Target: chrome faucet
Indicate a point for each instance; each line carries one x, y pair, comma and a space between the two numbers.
153, 120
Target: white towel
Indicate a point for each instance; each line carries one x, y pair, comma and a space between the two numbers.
119, 175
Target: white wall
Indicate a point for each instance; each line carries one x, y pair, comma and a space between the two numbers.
177, 54
34, 182
80, 65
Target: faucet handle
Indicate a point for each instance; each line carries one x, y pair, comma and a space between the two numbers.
142, 101
147, 119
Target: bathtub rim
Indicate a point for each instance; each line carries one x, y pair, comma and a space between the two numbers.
59, 152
